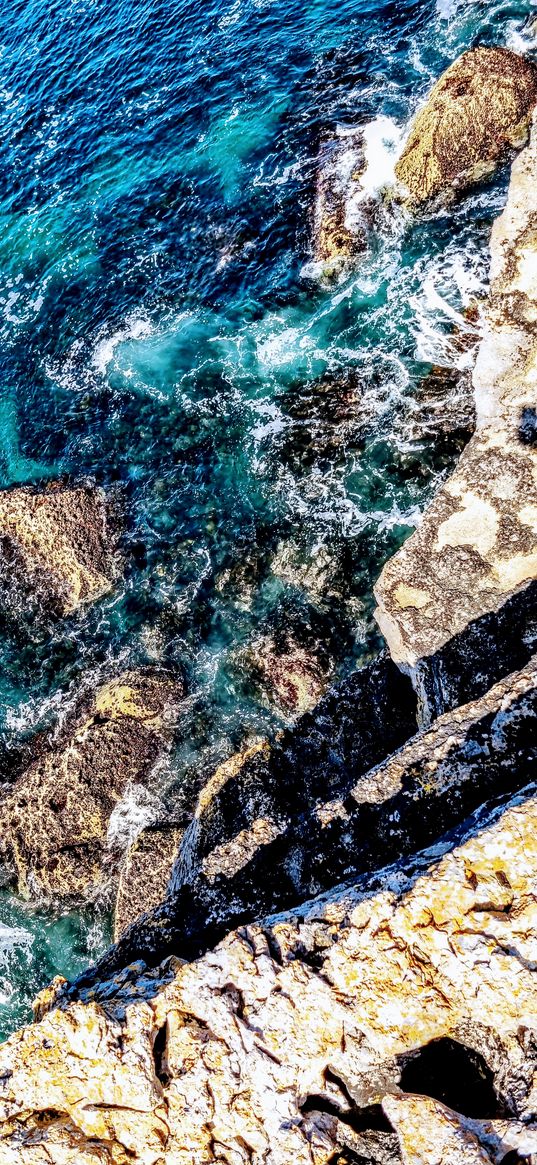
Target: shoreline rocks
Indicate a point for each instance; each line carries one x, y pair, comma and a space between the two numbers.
351, 1027
54, 837
477, 112
475, 547
57, 546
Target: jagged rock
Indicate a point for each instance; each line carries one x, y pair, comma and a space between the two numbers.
479, 109
308, 1037
475, 549
55, 819
145, 874
57, 546
267, 841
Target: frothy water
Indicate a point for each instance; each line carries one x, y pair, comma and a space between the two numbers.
161, 333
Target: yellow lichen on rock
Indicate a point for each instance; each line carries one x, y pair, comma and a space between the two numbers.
479, 108
55, 819
255, 1048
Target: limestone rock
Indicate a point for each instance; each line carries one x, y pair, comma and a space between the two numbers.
479, 109
310, 1037
145, 874
56, 818
265, 842
475, 548
57, 545
291, 677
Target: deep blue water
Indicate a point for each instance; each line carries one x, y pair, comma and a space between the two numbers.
157, 317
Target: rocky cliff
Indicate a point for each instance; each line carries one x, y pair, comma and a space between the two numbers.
337, 960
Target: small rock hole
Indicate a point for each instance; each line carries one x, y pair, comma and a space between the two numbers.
454, 1074
527, 429
159, 1055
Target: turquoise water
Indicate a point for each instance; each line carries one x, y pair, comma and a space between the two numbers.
161, 330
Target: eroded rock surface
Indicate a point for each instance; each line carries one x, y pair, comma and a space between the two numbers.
56, 818
311, 1036
475, 548
479, 109
145, 874
57, 545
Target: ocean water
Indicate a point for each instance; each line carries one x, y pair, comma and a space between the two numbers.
162, 332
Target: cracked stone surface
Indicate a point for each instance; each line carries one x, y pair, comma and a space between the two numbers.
57, 544
476, 545
290, 1041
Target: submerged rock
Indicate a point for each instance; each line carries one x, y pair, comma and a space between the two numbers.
391, 1021
57, 546
291, 678
54, 836
477, 112
475, 549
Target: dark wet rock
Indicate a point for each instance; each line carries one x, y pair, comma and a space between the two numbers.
478, 111
54, 836
265, 844
325, 419
57, 546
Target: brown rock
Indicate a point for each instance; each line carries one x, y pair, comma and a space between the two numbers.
56, 544
145, 874
55, 820
337, 239
290, 677
479, 109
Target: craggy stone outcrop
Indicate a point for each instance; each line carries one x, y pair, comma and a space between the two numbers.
55, 819
57, 547
475, 549
390, 1021
262, 844
477, 112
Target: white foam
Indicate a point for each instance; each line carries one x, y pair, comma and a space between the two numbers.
137, 809
133, 329
383, 142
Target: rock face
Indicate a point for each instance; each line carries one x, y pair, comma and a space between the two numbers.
57, 546
475, 549
393, 1021
479, 109
263, 842
56, 817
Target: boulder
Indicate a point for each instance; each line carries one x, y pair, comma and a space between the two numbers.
472, 563
54, 837
57, 546
290, 677
478, 111
390, 1021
